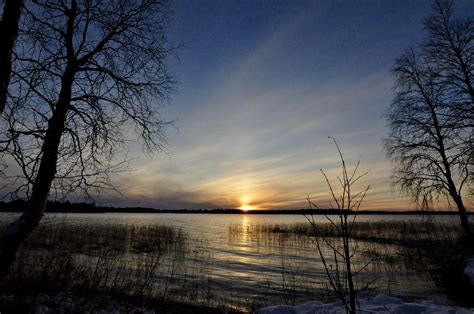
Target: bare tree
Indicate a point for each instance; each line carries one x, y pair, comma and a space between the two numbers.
426, 140
8, 34
340, 273
431, 118
449, 49
87, 74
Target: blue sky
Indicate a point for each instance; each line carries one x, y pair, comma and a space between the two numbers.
261, 86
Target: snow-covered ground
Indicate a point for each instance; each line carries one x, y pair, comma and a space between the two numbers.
367, 304
469, 270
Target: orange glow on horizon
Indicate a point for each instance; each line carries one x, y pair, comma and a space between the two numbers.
245, 202
246, 208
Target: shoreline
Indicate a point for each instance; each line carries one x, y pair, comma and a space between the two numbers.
91, 208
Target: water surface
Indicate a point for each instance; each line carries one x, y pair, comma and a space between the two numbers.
242, 267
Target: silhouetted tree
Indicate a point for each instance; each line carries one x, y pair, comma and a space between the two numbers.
449, 50
431, 118
425, 139
8, 34
87, 73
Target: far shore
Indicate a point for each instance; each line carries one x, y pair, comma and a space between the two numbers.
91, 208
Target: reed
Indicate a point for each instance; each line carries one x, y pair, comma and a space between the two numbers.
144, 262
396, 231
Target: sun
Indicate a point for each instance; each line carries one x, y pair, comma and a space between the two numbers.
246, 202
246, 208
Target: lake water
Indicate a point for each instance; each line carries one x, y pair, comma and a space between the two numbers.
242, 267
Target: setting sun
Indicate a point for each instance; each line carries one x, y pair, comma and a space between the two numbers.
246, 208
245, 200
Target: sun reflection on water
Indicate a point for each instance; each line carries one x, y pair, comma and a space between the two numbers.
244, 238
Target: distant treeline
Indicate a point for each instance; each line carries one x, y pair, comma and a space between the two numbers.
68, 207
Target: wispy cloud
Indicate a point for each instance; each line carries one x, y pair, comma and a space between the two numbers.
267, 145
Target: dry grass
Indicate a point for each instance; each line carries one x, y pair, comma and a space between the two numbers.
395, 231
141, 262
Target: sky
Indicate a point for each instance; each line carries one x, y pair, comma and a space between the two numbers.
262, 85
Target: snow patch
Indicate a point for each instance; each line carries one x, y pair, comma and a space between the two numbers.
367, 304
469, 270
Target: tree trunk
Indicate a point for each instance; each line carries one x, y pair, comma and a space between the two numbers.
453, 192
17, 232
458, 200
8, 34
347, 259
462, 214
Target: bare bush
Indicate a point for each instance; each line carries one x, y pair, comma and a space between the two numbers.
337, 262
